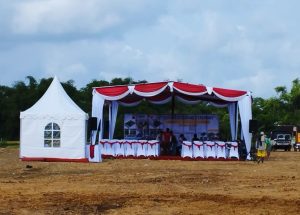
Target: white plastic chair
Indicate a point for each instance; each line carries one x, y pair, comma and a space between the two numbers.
210, 149
158, 149
234, 151
152, 148
198, 149
142, 147
103, 146
220, 149
130, 147
187, 149
119, 148
110, 147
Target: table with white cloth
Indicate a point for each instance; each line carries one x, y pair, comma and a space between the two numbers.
129, 148
151, 148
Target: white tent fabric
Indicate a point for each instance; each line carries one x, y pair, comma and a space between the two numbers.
246, 114
55, 107
232, 120
113, 111
96, 112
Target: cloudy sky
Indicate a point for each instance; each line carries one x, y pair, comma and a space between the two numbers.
240, 44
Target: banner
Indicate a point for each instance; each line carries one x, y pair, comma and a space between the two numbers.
143, 126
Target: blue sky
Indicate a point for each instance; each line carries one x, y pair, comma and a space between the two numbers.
241, 44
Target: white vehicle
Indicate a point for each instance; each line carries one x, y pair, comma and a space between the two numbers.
282, 141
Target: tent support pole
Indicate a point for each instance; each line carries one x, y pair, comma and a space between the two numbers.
173, 106
172, 110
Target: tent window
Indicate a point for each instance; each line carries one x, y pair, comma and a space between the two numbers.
52, 135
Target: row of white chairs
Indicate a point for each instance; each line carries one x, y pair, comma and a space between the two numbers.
127, 148
209, 149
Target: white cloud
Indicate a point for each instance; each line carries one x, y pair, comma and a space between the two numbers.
217, 43
77, 16
63, 16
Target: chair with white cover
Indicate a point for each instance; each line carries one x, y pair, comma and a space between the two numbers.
93, 152
198, 149
102, 147
110, 147
152, 148
220, 149
130, 147
158, 148
142, 147
210, 149
187, 149
234, 151
119, 148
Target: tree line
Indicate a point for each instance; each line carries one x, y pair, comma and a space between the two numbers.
284, 108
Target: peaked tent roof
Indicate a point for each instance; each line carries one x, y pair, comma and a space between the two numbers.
162, 92
55, 103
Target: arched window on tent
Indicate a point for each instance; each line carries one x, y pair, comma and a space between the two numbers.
52, 135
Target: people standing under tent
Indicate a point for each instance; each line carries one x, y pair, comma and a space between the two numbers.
268, 147
158, 138
261, 147
203, 136
179, 144
242, 149
166, 140
173, 144
227, 149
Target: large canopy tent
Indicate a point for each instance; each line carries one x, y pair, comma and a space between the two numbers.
238, 102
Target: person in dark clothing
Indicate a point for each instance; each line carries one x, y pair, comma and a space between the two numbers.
166, 142
179, 143
242, 149
173, 143
195, 138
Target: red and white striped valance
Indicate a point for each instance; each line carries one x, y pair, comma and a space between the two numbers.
162, 92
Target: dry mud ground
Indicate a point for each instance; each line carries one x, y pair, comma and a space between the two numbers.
150, 186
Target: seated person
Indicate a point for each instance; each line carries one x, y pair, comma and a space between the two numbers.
203, 136
195, 138
227, 149
179, 143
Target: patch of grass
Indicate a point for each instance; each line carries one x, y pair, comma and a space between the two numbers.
9, 144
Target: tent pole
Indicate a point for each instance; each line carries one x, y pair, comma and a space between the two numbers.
172, 111
173, 106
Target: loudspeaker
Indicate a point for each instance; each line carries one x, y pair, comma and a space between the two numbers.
92, 124
253, 125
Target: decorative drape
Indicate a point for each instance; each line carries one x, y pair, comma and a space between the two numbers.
245, 115
232, 120
113, 112
97, 111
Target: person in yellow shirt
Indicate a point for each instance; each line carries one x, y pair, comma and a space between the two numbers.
261, 148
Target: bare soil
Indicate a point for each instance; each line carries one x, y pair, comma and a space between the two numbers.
126, 186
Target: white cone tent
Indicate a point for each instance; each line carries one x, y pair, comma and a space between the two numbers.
53, 128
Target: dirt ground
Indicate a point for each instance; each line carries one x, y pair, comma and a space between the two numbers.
126, 186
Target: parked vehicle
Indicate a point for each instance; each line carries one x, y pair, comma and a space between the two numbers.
282, 141
281, 137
